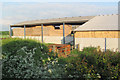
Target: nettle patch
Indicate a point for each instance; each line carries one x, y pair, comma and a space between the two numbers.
29, 59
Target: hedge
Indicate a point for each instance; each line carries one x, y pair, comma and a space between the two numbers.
91, 64
29, 59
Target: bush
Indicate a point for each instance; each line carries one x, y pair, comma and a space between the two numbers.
28, 59
89, 49
4, 32
92, 64
31, 59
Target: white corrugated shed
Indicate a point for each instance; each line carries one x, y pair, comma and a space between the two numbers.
102, 22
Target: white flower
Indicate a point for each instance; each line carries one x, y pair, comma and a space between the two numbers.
48, 59
56, 60
98, 75
49, 71
53, 63
45, 67
43, 60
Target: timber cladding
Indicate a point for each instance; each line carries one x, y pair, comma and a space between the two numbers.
47, 31
97, 34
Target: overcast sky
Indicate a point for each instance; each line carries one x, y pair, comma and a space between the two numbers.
14, 12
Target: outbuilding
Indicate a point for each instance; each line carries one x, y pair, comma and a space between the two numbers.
57, 30
83, 31
102, 30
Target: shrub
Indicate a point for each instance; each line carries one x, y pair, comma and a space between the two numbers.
92, 64
4, 32
29, 59
89, 49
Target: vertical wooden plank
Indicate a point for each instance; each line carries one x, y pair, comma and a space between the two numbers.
57, 50
65, 50
54, 48
73, 40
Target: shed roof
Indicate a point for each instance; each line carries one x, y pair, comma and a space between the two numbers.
79, 19
102, 22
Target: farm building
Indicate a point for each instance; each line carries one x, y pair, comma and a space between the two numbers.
80, 31
100, 31
49, 30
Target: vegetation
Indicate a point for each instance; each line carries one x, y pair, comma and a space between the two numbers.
29, 59
93, 64
24, 58
4, 34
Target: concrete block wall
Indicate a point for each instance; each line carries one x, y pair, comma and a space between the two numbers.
47, 39
111, 43
53, 39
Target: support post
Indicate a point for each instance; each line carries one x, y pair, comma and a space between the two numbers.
73, 40
105, 44
42, 32
10, 31
63, 33
24, 32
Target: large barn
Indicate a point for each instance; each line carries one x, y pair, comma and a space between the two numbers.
56, 30
100, 31
80, 31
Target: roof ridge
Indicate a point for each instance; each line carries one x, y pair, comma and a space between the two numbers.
55, 18
108, 14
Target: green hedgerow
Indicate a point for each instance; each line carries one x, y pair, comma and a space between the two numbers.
29, 59
91, 64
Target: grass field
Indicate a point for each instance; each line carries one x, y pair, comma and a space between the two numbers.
4, 34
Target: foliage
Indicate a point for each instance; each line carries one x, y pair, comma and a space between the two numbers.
29, 59
4, 34
92, 64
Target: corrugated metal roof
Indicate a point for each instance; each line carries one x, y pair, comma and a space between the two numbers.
56, 20
102, 22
